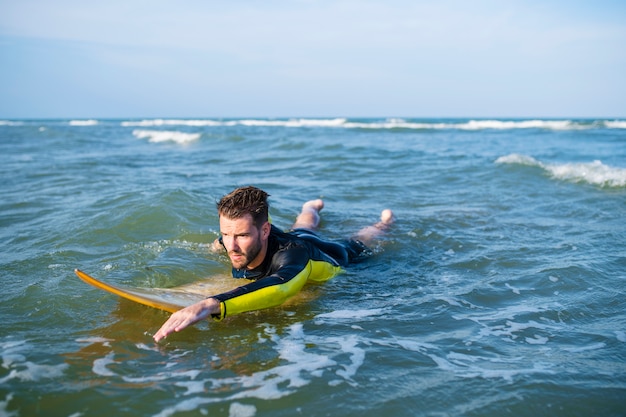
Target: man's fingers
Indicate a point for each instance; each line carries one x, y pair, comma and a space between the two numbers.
186, 317
173, 324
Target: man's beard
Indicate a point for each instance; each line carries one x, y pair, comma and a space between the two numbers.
249, 255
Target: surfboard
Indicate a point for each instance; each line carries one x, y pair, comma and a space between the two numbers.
168, 299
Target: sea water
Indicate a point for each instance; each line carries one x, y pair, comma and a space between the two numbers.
499, 291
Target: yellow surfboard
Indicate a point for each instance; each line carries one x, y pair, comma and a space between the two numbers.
168, 299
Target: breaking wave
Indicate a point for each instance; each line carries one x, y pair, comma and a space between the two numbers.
157, 136
595, 173
391, 123
83, 122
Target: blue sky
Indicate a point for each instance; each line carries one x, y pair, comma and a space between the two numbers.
310, 58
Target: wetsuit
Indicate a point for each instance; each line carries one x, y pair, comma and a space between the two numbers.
292, 259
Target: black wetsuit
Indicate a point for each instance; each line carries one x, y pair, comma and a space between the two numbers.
292, 259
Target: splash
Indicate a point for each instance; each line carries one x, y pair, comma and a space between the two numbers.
83, 123
154, 136
594, 173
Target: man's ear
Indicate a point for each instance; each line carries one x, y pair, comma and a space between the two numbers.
266, 229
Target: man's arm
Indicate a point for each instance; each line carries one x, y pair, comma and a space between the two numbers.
188, 316
266, 292
293, 269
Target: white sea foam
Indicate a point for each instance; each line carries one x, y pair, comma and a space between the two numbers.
515, 158
193, 387
11, 353
83, 122
391, 123
537, 340
521, 124
299, 366
357, 357
474, 125
485, 316
410, 344
337, 122
295, 122
510, 287
350, 314
14, 359
467, 365
469, 125
10, 123
241, 410
472, 367
511, 328
32, 372
594, 346
595, 173
157, 136
100, 365
93, 340
615, 124
3, 407
174, 122
164, 376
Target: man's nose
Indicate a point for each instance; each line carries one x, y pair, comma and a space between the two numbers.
231, 244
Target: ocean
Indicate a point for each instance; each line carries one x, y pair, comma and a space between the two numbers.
499, 291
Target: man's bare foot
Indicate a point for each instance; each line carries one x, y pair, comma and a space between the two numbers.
386, 219
309, 217
369, 234
316, 205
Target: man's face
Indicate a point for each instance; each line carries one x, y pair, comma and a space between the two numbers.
246, 245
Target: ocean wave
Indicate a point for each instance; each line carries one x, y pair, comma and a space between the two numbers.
338, 122
157, 136
489, 124
391, 123
615, 124
522, 124
172, 122
10, 123
90, 122
243, 122
471, 125
595, 173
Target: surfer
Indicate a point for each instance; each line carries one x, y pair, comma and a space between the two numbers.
277, 264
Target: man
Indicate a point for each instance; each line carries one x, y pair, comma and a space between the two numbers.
277, 263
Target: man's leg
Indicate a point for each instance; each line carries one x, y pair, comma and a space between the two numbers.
369, 234
309, 217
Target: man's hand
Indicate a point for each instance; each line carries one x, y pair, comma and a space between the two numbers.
216, 247
188, 316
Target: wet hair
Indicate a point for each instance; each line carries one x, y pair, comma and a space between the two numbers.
245, 200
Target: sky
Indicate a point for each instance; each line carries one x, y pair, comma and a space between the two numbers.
312, 58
